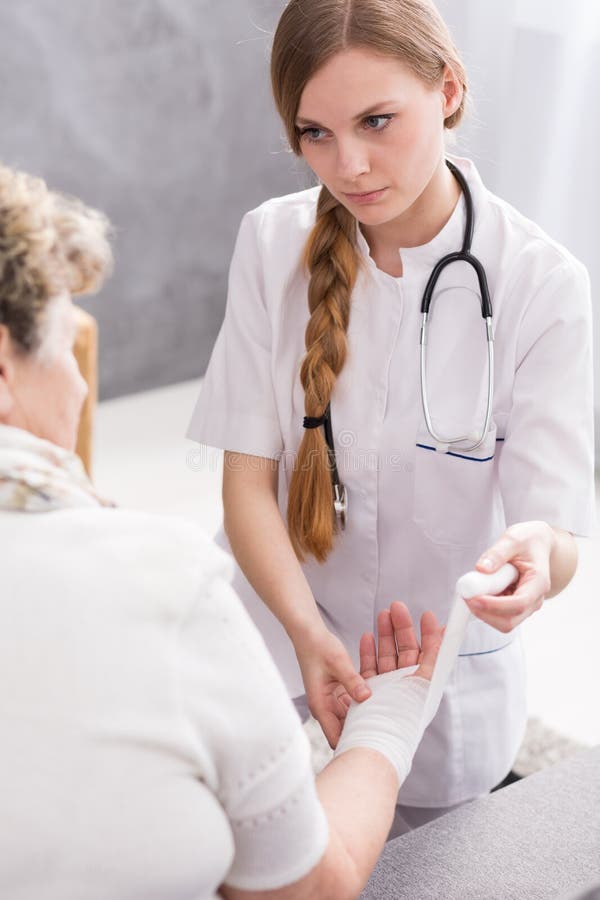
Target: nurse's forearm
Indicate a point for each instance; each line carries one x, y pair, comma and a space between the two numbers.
563, 561
262, 548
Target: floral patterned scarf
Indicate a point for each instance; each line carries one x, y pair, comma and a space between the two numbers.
37, 476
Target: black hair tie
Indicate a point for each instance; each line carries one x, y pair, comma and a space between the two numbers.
314, 421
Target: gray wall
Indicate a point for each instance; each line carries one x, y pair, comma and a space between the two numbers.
159, 113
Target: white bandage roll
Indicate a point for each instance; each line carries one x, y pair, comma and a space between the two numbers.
400, 708
390, 721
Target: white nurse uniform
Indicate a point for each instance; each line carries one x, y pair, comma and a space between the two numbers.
418, 517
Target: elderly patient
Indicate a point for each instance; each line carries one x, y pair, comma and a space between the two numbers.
148, 748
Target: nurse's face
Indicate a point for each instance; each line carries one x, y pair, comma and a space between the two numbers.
373, 132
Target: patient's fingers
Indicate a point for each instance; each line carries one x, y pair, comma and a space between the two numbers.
406, 639
387, 658
368, 655
431, 638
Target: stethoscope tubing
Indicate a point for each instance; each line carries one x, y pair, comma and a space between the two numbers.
340, 499
441, 439
464, 255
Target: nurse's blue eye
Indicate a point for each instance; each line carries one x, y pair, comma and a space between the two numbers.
314, 135
377, 123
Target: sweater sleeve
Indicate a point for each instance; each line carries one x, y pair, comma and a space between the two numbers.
252, 750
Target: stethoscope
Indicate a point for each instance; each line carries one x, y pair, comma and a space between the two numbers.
340, 497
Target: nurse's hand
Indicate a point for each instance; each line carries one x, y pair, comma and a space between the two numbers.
545, 559
330, 681
397, 645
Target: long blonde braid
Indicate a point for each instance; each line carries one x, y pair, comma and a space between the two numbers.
332, 260
309, 33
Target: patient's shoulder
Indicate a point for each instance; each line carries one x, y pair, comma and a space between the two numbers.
162, 538
143, 558
131, 533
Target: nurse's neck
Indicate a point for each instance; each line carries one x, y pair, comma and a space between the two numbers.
418, 225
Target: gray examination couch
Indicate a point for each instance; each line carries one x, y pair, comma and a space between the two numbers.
537, 838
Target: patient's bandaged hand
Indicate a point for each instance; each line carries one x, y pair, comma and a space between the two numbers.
391, 720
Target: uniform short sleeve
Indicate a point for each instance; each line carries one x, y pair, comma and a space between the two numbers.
236, 408
251, 748
546, 465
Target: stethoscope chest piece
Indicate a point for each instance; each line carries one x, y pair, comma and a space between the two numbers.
340, 505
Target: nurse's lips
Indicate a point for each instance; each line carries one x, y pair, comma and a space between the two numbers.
368, 197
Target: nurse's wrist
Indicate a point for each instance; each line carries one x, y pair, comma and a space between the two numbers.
561, 539
550, 539
531, 536
306, 629
555, 542
563, 560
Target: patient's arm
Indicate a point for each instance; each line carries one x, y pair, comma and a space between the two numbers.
358, 788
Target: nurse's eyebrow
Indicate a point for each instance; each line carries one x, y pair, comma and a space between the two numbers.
363, 115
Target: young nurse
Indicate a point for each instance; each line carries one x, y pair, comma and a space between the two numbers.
321, 339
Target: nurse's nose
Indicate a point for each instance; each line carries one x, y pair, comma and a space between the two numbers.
352, 161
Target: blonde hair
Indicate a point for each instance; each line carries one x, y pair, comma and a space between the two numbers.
49, 244
309, 33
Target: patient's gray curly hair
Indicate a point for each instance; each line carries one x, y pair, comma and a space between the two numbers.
50, 244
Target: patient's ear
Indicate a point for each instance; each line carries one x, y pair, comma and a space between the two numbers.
7, 374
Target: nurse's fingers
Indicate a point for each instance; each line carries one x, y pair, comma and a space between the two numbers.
431, 638
343, 700
502, 623
524, 545
504, 614
511, 610
404, 631
368, 655
387, 658
506, 607
331, 725
504, 550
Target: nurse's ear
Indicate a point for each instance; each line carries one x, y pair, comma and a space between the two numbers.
7, 374
452, 93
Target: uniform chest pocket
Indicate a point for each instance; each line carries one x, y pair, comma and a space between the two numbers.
454, 492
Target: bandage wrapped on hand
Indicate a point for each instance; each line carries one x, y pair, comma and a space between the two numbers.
390, 721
